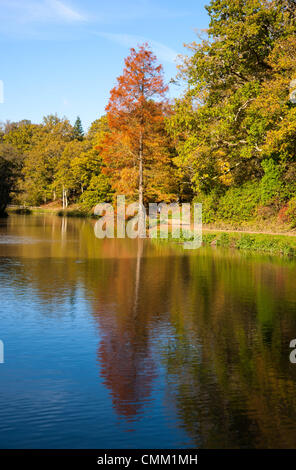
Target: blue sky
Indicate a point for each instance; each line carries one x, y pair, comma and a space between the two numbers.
63, 56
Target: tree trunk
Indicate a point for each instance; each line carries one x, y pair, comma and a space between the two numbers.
141, 169
141, 223
65, 199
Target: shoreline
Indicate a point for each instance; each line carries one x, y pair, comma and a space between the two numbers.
275, 243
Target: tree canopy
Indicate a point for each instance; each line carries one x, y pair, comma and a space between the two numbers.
136, 150
228, 141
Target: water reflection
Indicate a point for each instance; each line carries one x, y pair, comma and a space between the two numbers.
124, 353
201, 338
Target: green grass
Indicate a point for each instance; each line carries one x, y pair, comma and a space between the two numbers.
41, 210
273, 244
73, 213
264, 243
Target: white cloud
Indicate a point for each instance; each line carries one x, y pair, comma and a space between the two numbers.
21, 11
162, 51
41, 19
65, 12
113, 12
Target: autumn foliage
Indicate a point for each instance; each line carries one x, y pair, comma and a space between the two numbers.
136, 151
227, 141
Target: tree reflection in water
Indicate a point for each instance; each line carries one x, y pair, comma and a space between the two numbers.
209, 330
124, 354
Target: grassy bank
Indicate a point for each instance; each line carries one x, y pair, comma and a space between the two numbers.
74, 213
71, 212
261, 242
275, 244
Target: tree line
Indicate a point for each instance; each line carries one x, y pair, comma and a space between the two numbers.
229, 140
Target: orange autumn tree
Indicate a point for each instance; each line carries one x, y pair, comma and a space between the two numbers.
136, 151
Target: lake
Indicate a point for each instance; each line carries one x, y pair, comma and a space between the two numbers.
141, 344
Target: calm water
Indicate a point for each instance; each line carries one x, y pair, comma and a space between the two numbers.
126, 344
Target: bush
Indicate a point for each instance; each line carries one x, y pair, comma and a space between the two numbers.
291, 212
283, 214
21, 211
265, 199
266, 212
289, 179
239, 203
73, 213
271, 186
223, 240
208, 238
209, 206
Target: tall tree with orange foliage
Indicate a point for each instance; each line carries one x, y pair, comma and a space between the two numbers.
136, 149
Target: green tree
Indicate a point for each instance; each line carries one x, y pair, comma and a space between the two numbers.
88, 163
236, 110
78, 132
98, 190
20, 135
9, 171
65, 185
42, 159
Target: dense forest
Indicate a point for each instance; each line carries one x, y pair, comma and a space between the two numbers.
229, 141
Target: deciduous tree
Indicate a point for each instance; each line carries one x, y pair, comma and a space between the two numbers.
136, 149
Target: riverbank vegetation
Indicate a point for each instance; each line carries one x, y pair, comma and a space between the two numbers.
229, 141
272, 244
253, 242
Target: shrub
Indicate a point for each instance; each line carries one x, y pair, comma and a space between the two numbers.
73, 213
239, 203
208, 238
22, 211
209, 206
271, 185
223, 240
245, 242
283, 214
289, 179
265, 212
291, 212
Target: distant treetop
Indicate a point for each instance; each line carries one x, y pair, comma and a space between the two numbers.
78, 132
